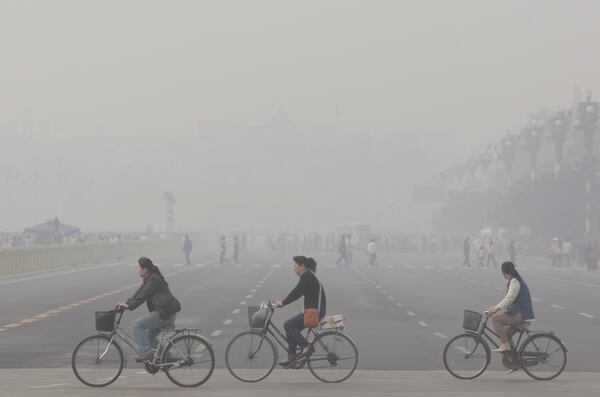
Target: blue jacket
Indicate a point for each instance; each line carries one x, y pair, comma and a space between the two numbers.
522, 303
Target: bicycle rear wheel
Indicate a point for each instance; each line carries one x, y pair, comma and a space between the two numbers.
251, 356
335, 357
467, 356
543, 356
191, 359
97, 362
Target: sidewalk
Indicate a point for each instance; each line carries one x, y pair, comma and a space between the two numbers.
61, 382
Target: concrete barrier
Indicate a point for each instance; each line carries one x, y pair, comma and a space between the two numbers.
21, 260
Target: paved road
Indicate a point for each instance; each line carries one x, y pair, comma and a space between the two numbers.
400, 313
60, 383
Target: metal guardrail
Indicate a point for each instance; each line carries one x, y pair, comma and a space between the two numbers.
21, 260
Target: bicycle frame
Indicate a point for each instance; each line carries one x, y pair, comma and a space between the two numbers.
485, 331
119, 334
271, 329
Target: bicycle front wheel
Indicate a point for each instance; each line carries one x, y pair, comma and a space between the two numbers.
543, 356
335, 357
467, 356
191, 360
97, 362
251, 356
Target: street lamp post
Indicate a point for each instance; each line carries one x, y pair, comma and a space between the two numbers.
508, 150
558, 127
587, 122
532, 142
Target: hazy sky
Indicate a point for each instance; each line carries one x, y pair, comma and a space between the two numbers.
456, 74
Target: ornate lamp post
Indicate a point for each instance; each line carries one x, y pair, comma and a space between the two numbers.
531, 140
558, 127
508, 150
587, 122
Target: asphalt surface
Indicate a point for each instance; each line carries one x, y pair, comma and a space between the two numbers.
400, 313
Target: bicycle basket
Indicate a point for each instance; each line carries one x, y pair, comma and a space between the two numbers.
257, 317
105, 321
472, 320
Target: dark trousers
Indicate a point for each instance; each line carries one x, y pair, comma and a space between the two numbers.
293, 331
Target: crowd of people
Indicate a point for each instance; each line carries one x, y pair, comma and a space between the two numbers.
24, 239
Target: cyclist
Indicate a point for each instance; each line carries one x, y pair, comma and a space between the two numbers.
310, 288
515, 309
162, 306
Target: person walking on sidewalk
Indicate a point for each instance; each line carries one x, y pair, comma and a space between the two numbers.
467, 252
187, 249
491, 255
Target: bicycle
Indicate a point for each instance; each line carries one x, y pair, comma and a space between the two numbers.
251, 356
98, 360
542, 355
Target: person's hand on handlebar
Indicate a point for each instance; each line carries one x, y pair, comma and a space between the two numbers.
278, 303
122, 305
490, 311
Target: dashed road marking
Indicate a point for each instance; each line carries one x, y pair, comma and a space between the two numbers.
235, 311
13, 325
399, 304
243, 302
440, 335
249, 296
48, 386
254, 290
558, 307
227, 322
535, 300
423, 324
378, 287
216, 333
391, 298
410, 313
586, 315
28, 320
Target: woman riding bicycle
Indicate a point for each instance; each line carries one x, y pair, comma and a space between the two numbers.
162, 306
516, 307
310, 288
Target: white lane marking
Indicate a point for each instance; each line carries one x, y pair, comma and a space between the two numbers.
216, 333
227, 322
28, 320
2, 329
254, 290
178, 265
410, 313
391, 298
535, 300
423, 324
248, 296
50, 273
13, 325
569, 281
461, 349
242, 302
399, 304
586, 315
440, 335
236, 311
47, 386
558, 307
383, 291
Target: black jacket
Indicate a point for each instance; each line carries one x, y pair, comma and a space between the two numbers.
308, 287
155, 292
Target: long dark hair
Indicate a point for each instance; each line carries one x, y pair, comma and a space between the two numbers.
308, 263
147, 263
509, 268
